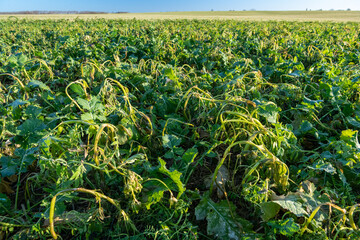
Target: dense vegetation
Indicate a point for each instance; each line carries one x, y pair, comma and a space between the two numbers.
179, 129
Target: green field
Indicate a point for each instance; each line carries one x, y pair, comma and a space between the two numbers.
180, 129
335, 16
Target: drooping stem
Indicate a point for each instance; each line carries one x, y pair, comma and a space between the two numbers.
83, 190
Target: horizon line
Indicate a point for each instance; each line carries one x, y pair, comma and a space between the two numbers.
39, 12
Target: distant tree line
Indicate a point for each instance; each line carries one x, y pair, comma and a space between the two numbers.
56, 12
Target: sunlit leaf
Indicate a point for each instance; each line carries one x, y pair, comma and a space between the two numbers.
270, 111
174, 175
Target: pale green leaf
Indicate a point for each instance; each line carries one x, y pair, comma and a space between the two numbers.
293, 206
170, 141
84, 104
38, 84
270, 111
87, 117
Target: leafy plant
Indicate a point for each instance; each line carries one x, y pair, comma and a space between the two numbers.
179, 129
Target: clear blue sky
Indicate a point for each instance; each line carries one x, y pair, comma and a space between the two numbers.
174, 5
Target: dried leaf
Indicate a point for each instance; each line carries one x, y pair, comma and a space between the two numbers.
221, 179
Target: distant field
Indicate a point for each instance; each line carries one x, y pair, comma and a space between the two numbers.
336, 16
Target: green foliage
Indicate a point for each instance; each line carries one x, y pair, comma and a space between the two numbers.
183, 129
174, 176
5, 204
95, 110
222, 220
269, 111
285, 227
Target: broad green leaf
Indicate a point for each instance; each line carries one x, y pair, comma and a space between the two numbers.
312, 199
127, 131
322, 166
154, 197
202, 209
327, 155
5, 203
286, 227
190, 155
154, 194
18, 102
33, 111
136, 158
291, 203
305, 127
351, 137
219, 219
85, 104
31, 126
170, 141
169, 155
45, 146
270, 111
174, 175
178, 150
311, 103
22, 59
87, 116
94, 107
292, 206
77, 88
353, 122
26, 156
19, 163
269, 210
169, 72
39, 84
8, 167
17, 60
